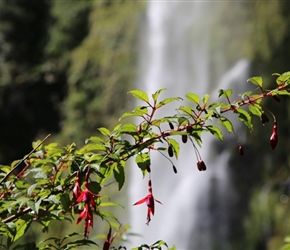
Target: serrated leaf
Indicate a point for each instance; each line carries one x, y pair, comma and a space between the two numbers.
108, 215
22, 225
257, 80
282, 92
53, 199
245, 96
255, 110
65, 201
94, 139
217, 110
94, 147
284, 78
37, 205
104, 131
95, 187
157, 93
138, 112
245, 117
182, 121
140, 94
143, 162
214, 130
225, 93
119, 175
186, 109
31, 188
128, 128
205, 98
226, 123
193, 98
167, 100
110, 204
175, 146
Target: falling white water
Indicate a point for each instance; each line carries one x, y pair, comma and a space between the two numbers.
176, 55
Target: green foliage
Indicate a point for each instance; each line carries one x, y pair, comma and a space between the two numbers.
57, 183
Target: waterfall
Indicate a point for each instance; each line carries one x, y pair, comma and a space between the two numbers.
176, 54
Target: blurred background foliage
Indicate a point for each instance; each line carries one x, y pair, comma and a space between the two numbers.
66, 66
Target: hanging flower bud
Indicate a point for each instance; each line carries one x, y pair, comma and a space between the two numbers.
241, 150
201, 166
189, 129
276, 98
174, 169
274, 137
184, 138
170, 151
264, 118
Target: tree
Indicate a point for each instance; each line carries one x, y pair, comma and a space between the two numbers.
57, 183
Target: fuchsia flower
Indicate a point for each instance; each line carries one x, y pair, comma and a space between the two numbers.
149, 199
77, 189
87, 197
274, 136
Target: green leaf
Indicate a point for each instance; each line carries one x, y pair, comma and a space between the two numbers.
215, 131
186, 109
245, 96
284, 78
65, 201
140, 94
140, 111
175, 146
105, 131
167, 100
182, 121
108, 215
225, 93
257, 80
22, 225
255, 110
119, 175
193, 98
205, 98
94, 139
31, 188
94, 147
110, 204
143, 162
157, 93
226, 123
94, 187
245, 117
128, 128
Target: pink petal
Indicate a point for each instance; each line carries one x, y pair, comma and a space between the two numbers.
140, 201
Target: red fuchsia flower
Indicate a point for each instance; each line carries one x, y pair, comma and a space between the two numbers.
274, 136
77, 189
88, 198
149, 199
109, 240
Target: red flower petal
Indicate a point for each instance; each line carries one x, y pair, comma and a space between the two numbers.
140, 201
82, 215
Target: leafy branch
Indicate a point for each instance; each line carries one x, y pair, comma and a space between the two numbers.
57, 183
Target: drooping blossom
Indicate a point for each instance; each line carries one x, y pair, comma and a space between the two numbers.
201, 165
77, 189
274, 136
87, 197
149, 199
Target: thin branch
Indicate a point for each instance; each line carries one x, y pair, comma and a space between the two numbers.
31, 152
